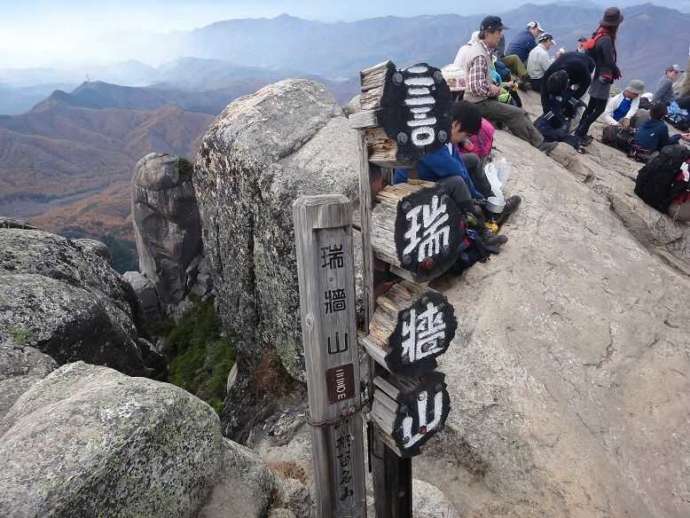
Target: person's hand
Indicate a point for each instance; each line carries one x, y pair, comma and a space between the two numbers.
494, 91
625, 123
685, 136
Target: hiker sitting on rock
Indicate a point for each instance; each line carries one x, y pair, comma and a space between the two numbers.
480, 89
664, 182
525, 41
664, 88
554, 124
539, 60
653, 134
622, 110
462, 175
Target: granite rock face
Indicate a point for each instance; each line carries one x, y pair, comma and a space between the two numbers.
65, 300
20, 367
88, 438
286, 140
167, 226
569, 374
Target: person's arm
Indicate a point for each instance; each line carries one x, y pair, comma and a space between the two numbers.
584, 79
665, 139
607, 67
478, 82
442, 164
662, 91
608, 112
634, 107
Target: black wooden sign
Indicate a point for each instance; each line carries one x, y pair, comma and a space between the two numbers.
428, 233
421, 414
423, 333
415, 110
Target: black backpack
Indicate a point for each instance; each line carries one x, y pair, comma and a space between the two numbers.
618, 137
656, 182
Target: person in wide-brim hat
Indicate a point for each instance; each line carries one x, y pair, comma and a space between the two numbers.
612, 17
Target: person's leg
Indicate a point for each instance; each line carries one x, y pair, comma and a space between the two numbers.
516, 119
536, 84
516, 66
474, 167
457, 189
594, 109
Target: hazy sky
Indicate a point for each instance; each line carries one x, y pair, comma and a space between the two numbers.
49, 32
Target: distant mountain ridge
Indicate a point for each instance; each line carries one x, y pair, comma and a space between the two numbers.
650, 37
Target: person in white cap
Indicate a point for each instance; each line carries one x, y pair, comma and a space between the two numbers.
664, 88
525, 41
539, 60
622, 109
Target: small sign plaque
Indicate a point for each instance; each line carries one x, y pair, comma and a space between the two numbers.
341, 383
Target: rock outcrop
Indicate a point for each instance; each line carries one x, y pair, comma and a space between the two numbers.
65, 300
569, 378
265, 150
88, 438
167, 228
20, 367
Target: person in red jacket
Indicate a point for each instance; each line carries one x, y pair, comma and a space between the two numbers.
603, 51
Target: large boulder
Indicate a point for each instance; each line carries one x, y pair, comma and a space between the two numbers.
65, 300
20, 367
86, 439
167, 227
286, 140
569, 376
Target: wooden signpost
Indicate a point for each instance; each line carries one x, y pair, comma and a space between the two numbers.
323, 234
411, 230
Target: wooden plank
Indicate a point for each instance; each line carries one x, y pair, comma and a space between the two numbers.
363, 119
325, 265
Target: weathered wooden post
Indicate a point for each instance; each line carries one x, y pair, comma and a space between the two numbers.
323, 234
413, 231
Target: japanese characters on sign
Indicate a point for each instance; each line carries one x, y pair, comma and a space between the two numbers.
416, 110
423, 332
421, 414
428, 232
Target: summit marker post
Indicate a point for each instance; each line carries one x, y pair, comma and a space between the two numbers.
325, 266
411, 234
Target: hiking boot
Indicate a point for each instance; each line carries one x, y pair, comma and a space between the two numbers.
495, 241
586, 140
512, 203
547, 147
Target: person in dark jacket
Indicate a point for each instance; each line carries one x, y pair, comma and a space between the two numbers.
558, 110
525, 41
653, 134
579, 68
605, 73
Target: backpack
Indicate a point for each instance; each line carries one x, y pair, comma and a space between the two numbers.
656, 182
618, 137
590, 43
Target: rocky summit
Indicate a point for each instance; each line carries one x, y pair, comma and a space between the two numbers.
568, 375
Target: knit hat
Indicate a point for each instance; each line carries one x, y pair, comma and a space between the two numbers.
636, 86
612, 17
